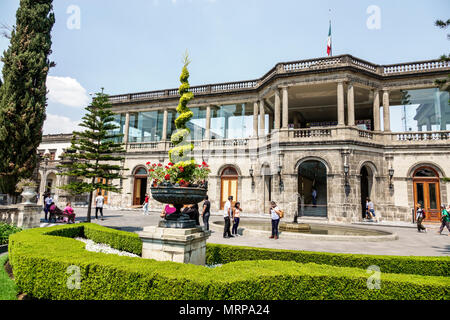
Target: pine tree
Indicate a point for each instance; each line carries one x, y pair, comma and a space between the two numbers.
94, 152
23, 93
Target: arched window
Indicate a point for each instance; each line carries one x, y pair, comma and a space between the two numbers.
229, 172
141, 172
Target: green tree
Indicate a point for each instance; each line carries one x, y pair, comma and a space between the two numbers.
23, 93
443, 25
95, 152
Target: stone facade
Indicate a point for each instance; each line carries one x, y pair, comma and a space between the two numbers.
339, 91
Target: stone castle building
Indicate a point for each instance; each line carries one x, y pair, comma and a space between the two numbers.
316, 136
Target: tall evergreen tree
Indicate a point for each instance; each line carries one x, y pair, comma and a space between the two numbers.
94, 152
23, 93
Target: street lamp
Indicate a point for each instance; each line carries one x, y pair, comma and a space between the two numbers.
250, 171
391, 175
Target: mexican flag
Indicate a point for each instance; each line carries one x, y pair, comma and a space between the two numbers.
329, 51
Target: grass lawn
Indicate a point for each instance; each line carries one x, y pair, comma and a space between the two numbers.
8, 289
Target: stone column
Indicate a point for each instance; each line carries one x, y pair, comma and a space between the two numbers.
164, 130
386, 113
126, 129
376, 110
255, 119
350, 105
285, 107
262, 118
277, 109
208, 123
340, 104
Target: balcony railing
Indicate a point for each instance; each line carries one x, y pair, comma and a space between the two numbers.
293, 68
304, 136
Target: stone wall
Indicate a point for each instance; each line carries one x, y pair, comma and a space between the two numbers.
21, 215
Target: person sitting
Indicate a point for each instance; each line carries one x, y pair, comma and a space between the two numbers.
69, 215
168, 210
55, 212
192, 212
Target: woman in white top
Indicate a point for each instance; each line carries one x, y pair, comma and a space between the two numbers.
236, 217
275, 215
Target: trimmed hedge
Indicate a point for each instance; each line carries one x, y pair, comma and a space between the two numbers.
40, 261
6, 230
426, 266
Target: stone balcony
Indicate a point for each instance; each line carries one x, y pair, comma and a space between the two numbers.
322, 136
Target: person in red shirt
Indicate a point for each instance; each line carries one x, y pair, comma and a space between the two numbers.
145, 205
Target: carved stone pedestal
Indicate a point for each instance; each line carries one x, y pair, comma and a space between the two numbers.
177, 245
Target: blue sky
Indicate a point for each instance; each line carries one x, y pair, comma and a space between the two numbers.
137, 45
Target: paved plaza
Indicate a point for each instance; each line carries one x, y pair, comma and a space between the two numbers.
409, 242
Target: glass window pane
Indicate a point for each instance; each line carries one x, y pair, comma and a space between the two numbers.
432, 194
232, 121
420, 110
144, 127
425, 172
119, 122
420, 194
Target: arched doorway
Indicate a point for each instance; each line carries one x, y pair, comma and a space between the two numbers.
427, 192
366, 176
312, 189
140, 186
50, 184
229, 185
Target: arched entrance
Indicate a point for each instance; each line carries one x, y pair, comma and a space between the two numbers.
427, 192
366, 175
50, 184
140, 186
267, 176
312, 189
229, 185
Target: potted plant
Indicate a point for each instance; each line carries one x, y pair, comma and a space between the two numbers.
182, 180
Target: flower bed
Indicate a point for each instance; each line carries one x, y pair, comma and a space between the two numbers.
41, 258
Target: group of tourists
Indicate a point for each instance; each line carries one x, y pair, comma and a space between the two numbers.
231, 213
445, 218
52, 212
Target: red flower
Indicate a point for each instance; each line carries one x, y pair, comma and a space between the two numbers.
159, 165
170, 164
167, 177
199, 165
166, 167
154, 165
148, 163
181, 169
151, 170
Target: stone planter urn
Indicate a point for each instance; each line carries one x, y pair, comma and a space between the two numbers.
178, 196
28, 193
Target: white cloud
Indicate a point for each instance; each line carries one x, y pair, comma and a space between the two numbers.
55, 124
67, 91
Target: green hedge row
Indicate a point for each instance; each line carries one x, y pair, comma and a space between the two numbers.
5, 231
426, 266
42, 259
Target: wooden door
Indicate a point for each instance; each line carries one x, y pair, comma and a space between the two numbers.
104, 193
427, 194
140, 188
229, 188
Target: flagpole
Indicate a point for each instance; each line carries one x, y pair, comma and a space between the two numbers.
331, 50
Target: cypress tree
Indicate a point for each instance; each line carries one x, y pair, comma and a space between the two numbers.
23, 93
94, 152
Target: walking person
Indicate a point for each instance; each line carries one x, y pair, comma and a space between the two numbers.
145, 205
420, 215
47, 203
206, 213
236, 217
445, 218
370, 209
99, 200
227, 213
275, 214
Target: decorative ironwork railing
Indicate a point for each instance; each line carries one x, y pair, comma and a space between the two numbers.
293, 67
